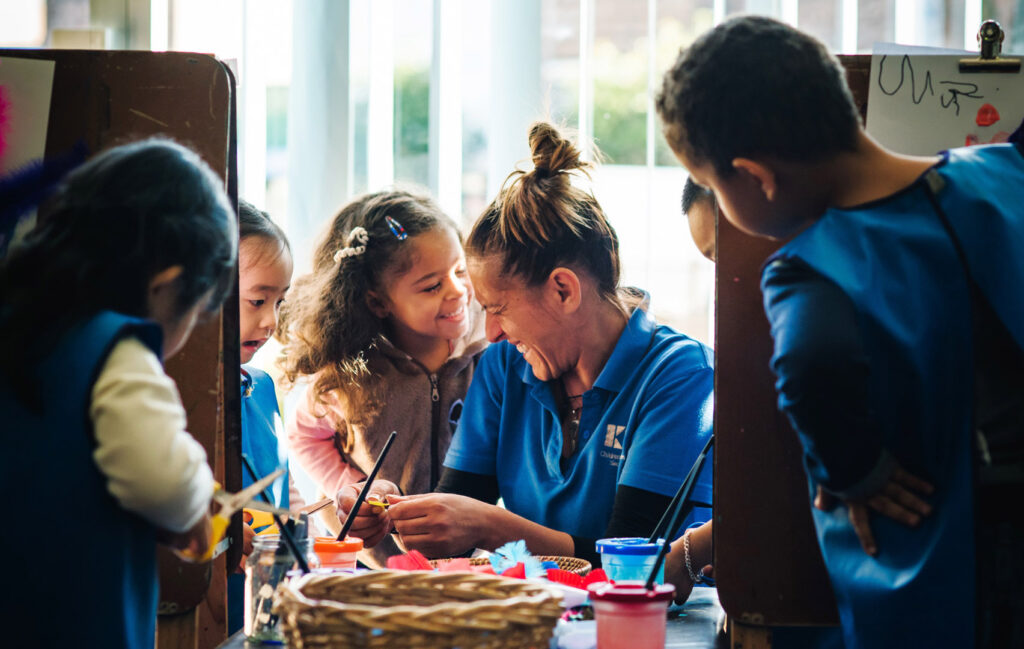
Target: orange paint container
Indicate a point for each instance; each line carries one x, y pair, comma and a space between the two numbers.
337, 554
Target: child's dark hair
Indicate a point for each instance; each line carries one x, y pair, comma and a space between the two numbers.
326, 324
539, 221
115, 222
754, 86
693, 194
255, 223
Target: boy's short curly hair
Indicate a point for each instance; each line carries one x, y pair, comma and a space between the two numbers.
754, 86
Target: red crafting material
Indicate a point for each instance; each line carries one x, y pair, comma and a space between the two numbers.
413, 560
987, 115
5, 107
517, 571
595, 577
454, 564
560, 576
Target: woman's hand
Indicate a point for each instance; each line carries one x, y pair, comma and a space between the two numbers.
899, 499
440, 525
700, 559
372, 523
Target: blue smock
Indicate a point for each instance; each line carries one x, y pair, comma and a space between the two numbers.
261, 426
92, 580
895, 261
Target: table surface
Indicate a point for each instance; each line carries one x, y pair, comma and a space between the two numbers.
693, 625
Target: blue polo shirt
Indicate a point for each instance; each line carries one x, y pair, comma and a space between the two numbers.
644, 422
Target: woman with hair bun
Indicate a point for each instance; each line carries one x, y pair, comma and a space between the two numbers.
585, 415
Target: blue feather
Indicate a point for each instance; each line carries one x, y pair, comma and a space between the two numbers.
23, 189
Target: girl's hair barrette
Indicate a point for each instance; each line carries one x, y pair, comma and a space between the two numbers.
357, 235
396, 228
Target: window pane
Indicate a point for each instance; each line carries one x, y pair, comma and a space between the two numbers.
476, 98
560, 60
823, 19
413, 35
875, 23
620, 80
680, 22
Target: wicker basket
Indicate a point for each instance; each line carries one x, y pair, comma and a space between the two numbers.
571, 564
399, 609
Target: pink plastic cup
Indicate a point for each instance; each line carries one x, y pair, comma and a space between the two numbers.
629, 616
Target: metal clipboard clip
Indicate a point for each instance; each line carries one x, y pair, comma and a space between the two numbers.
990, 41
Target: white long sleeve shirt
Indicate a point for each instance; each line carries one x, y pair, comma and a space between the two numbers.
153, 466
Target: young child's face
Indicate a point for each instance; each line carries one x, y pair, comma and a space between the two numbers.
430, 299
264, 274
701, 219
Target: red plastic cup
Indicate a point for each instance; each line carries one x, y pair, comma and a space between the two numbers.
337, 554
629, 616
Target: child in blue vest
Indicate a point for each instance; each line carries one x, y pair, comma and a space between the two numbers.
136, 245
264, 275
898, 329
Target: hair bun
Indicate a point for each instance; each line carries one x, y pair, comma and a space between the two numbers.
551, 151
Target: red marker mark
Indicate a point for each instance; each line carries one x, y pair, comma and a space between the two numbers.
987, 115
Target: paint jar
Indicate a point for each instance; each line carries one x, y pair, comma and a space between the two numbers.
630, 558
337, 554
629, 616
268, 565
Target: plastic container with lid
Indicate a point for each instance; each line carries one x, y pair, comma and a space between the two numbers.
630, 558
629, 616
337, 554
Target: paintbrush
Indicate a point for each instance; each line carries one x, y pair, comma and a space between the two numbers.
366, 488
286, 533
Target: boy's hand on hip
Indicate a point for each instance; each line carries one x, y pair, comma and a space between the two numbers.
899, 498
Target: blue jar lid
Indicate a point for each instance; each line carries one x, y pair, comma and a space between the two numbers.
629, 545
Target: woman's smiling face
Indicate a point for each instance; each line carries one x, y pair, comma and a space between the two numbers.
523, 316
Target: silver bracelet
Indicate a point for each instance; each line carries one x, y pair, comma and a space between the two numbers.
696, 578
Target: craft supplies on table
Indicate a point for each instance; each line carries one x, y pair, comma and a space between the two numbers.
405, 609
629, 616
337, 554
265, 569
630, 558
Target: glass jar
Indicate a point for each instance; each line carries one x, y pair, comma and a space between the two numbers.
269, 563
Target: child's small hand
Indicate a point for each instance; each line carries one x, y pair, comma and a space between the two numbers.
372, 522
247, 536
195, 542
900, 499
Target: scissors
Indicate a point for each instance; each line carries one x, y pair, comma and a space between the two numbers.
229, 504
261, 515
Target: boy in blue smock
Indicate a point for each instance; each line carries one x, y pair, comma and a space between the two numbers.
898, 330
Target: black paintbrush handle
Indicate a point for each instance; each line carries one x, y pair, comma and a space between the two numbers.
685, 490
366, 488
286, 534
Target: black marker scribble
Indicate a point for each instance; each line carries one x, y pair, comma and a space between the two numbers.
963, 89
905, 64
955, 93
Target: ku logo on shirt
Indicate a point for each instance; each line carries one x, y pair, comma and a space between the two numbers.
613, 444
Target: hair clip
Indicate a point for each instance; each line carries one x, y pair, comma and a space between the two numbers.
358, 234
396, 228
